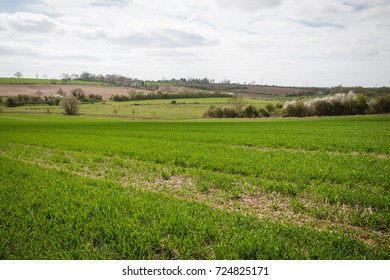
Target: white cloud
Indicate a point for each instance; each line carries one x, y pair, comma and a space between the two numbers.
282, 42
249, 5
28, 22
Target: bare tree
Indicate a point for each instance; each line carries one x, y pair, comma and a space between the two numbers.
65, 78
237, 103
18, 75
61, 92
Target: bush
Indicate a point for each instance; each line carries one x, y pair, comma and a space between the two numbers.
279, 105
336, 105
53, 101
220, 112
361, 103
250, 112
213, 112
95, 97
322, 107
263, 113
22, 98
296, 108
381, 105
11, 102
70, 105
270, 108
229, 112
78, 93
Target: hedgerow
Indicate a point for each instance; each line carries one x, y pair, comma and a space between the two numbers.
340, 104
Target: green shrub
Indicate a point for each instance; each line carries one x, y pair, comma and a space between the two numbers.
250, 112
270, 108
70, 105
279, 105
229, 112
213, 112
263, 113
361, 103
11, 102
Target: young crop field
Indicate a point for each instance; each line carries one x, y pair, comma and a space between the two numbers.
117, 188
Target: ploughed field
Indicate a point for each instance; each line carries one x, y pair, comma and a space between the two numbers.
109, 188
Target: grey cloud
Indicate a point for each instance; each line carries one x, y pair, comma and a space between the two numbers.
12, 50
250, 5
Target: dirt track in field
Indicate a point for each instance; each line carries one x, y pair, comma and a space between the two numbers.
105, 91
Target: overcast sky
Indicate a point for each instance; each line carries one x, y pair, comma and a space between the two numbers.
281, 42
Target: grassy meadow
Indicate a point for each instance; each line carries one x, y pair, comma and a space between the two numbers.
187, 108
35, 81
120, 188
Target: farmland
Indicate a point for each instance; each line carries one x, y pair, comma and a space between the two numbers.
32, 81
47, 89
118, 188
14, 87
145, 109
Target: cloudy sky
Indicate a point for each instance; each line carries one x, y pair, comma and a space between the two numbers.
281, 42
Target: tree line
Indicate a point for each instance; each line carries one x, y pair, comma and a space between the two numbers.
51, 100
163, 95
340, 104
119, 80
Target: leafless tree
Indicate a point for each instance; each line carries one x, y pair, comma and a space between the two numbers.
18, 75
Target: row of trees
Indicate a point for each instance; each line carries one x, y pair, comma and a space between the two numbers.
70, 104
337, 105
113, 79
163, 95
39, 98
119, 80
23, 99
377, 91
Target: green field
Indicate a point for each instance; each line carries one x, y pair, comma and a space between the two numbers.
23, 81
117, 188
187, 108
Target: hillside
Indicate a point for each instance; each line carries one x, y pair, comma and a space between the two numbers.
31, 89
108, 91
